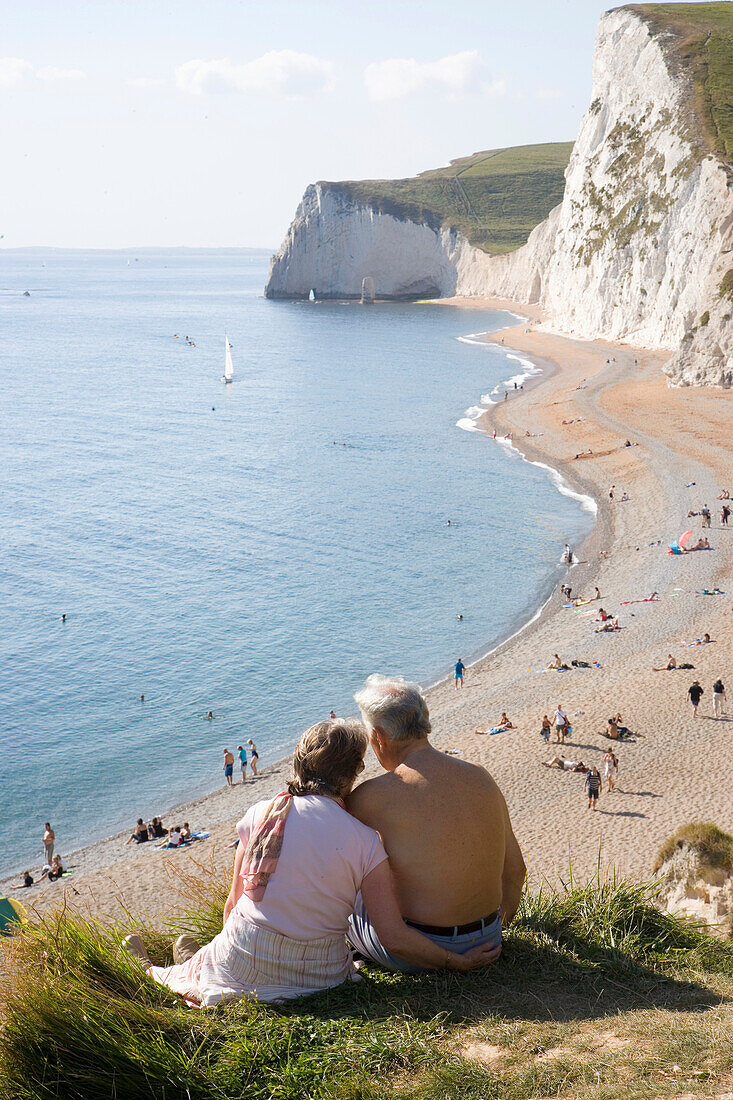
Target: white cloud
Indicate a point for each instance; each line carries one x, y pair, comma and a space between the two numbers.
457, 74
549, 93
15, 70
279, 74
52, 73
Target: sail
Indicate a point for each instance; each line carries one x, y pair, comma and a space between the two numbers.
228, 365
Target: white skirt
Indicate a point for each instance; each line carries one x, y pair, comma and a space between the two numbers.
245, 960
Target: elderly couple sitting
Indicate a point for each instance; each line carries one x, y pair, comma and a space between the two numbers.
416, 869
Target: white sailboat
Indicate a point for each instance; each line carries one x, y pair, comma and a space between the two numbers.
228, 365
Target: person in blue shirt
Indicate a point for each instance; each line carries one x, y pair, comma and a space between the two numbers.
460, 668
242, 753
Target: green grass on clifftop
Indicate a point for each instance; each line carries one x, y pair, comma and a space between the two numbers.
598, 995
494, 198
701, 43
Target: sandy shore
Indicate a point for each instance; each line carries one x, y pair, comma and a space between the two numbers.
677, 768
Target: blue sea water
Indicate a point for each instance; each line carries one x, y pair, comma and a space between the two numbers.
254, 549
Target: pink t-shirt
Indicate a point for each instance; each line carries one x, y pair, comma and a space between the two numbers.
326, 854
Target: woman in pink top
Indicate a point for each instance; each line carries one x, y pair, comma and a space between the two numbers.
301, 861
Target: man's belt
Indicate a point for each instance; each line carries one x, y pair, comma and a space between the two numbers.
455, 929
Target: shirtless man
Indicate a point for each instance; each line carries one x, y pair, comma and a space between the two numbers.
457, 866
228, 767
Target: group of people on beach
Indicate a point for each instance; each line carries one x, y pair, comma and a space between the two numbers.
53, 867
326, 867
254, 756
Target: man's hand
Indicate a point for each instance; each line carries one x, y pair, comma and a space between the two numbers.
483, 955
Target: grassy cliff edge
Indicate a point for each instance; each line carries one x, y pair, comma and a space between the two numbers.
598, 994
494, 198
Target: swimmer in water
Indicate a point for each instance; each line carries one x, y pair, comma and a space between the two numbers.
460, 618
142, 698
63, 617
209, 716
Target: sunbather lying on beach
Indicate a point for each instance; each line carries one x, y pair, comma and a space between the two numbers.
610, 624
504, 721
565, 765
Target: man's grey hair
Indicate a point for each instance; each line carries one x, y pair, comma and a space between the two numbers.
397, 707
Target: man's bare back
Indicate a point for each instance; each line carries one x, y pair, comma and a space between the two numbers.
446, 829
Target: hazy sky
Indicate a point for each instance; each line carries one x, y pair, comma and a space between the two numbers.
182, 122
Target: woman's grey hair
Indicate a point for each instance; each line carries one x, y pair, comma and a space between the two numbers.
397, 707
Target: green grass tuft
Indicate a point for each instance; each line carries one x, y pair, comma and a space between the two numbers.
714, 847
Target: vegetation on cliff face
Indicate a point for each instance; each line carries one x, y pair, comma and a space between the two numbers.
714, 848
598, 995
699, 40
495, 198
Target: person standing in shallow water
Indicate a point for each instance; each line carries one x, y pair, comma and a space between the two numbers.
49, 839
460, 669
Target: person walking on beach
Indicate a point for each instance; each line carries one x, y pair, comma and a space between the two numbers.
546, 728
228, 767
705, 513
561, 724
49, 839
253, 756
242, 754
610, 769
460, 669
718, 698
695, 692
593, 787
724, 513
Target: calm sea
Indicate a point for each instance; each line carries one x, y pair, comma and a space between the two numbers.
254, 549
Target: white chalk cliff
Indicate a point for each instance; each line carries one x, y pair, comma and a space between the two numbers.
637, 251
